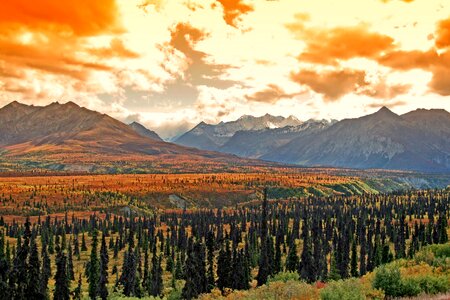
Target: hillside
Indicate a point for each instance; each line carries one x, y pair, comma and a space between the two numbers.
142, 130
72, 138
419, 140
256, 143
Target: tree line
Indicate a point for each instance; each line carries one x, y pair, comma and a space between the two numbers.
321, 238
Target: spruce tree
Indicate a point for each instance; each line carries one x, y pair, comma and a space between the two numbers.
61, 291
34, 273
224, 270
46, 272
128, 276
70, 273
156, 276
306, 266
264, 268
4, 269
93, 268
292, 258
103, 281
210, 248
354, 260
77, 292
196, 280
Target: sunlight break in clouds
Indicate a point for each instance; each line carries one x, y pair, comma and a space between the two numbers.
172, 64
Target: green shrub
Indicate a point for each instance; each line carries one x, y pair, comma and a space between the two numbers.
433, 284
409, 287
284, 277
441, 250
389, 280
350, 289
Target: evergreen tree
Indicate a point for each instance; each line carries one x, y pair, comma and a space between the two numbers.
103, 281
210, 248
224, 270
128, 276
70, 273
442, 228
61, 291
354, 260
78, 290
292, 258
33, 272
156, 276
83, 243
93, 268
306, 266
46, 272
196, 280
264, 268
4, 269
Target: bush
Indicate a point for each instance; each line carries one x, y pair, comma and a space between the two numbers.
389, 280
432, 284
409, 288
350, 289
284, 277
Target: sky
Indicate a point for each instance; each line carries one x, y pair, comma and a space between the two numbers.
171, 64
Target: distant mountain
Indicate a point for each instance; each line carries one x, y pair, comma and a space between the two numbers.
212, 137
419, 140
256, 143
142, 130
69, 137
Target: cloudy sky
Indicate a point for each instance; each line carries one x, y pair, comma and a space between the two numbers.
171, 64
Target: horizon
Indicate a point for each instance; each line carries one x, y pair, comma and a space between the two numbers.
170, 66
171, 138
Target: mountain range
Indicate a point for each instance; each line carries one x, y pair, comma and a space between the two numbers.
213, 137
72, 138
418, 140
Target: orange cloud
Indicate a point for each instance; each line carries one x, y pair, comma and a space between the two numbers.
436, 63
443, 34
328, 46
200, 70
77, 17
116, 49
51, 37
382, 90
332, 84
233, 10
56, 57
271, 94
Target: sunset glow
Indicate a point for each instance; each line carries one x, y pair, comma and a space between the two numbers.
172, 64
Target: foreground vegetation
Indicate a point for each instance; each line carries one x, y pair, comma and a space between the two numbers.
424, 275
315, 246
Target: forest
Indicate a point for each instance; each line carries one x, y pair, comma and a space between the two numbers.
316, 242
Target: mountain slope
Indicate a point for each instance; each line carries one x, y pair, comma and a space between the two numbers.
69, 137
256, 143
212, 137
142, 130
380, 140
